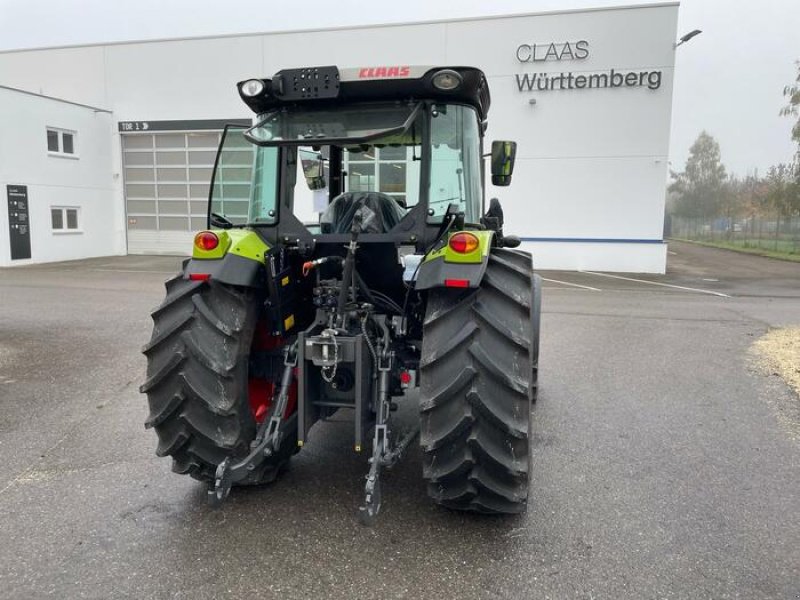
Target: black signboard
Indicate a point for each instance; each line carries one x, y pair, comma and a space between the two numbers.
19, 227
182, 125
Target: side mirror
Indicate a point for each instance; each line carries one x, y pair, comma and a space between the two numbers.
503, 155
313, 169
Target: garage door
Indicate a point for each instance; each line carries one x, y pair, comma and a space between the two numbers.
167, 177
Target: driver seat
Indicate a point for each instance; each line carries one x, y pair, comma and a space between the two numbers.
338, 217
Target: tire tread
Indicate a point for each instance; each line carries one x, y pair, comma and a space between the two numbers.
196, 380
476, 389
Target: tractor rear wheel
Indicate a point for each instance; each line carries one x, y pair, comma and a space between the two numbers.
476, 389
197, 379
537, 319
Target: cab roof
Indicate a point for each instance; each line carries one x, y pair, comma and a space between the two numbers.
330, 86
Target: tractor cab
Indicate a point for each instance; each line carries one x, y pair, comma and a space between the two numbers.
403, 145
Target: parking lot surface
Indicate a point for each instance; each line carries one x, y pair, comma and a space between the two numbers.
666, 461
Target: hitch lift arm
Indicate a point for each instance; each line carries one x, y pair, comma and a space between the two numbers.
267, 440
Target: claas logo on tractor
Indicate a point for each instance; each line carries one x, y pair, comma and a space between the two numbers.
383, 72
399, 288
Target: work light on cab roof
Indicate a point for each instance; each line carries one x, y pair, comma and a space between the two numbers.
446, 80
252, 87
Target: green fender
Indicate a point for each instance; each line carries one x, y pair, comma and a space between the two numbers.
447, 268
238, 259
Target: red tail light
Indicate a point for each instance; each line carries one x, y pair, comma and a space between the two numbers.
463, 242
206, 240
457, 283
199, 276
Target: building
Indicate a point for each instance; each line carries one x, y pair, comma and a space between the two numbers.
58, 180
112, 145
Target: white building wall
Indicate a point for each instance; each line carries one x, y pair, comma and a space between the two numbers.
190, 79
588, 190
85, 181
75, 74
591, 164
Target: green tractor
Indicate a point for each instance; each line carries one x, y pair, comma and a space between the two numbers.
348, 262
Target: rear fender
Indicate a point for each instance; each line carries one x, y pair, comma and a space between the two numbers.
447, 268
238, 259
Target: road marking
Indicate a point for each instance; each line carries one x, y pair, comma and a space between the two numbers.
670, 252
577, 285
669, 285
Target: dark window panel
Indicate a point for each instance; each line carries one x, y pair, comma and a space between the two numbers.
57, 218
68, 140
52, 141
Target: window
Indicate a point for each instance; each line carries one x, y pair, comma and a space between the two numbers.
65, 218
68, 143
391, 170
455, 162
245, 184
364, 122
52, 141
61, 142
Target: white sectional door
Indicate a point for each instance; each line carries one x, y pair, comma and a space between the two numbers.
167, 178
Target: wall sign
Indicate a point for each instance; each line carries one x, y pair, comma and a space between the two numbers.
19, 227
584, 80
179, 125
553, 51
131, 126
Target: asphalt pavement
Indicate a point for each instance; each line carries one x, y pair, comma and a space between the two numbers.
666, 461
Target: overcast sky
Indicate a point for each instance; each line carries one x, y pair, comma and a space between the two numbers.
728, 80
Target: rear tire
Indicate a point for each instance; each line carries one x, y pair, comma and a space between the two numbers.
537, 320
476, 389
197, 379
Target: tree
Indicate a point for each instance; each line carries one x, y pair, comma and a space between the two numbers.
794, 186
791, 200
779, 189
792, 94
734, 197
700, 188
754, 192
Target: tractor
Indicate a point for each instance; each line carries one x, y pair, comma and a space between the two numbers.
350, 265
